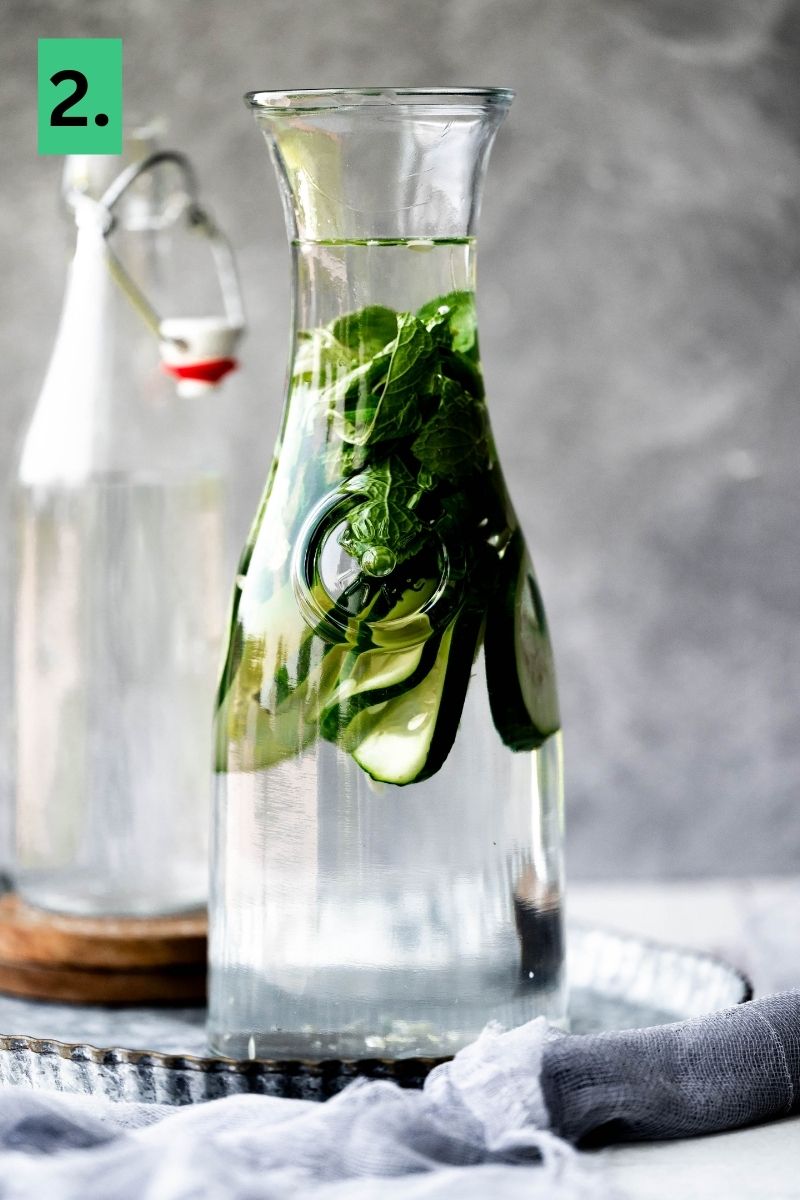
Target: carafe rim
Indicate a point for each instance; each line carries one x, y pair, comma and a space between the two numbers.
321, 99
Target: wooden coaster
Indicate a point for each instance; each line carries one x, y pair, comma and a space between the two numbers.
110, 960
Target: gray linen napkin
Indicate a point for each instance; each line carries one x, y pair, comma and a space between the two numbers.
712, 1073
496, 1121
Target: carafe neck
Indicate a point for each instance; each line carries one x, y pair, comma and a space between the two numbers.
336, 280
381, 163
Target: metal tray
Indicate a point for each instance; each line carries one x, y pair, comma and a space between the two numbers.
617, 982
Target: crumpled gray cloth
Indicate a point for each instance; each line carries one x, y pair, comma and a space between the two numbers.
496, 1121
476, 1130
716, 1072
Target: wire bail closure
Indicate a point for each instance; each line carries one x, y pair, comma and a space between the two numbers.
197, 351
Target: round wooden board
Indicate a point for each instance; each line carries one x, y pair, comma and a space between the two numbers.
110, 960
61, 985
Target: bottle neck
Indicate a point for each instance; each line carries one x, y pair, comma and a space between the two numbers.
106, 407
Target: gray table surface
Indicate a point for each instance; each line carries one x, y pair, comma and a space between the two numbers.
754, 924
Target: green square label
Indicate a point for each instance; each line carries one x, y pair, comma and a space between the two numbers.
80, 95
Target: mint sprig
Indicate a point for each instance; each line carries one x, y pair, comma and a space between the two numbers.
382, 530
404, 397
453, 444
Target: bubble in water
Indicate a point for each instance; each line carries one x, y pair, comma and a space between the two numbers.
379, 560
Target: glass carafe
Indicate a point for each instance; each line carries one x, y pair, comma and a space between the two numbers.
386, 864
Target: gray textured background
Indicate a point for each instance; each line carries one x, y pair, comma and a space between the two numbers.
640, 308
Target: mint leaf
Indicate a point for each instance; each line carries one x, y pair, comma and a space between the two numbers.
453, 443
319, 358
324, 355
463, 370
374, 422
383, 402
408, 358
383, 530
366, 332
350, 389
453, 321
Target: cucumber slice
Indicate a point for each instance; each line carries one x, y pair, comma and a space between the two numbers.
408, 739
520, 672
391, 740
251, 737
379, 666
404, 624
372, 677
376, 671
463, 650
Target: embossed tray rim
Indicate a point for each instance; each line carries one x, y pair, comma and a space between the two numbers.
167, 1077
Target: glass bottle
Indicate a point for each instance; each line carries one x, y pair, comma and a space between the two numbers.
386, 857
120, 584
